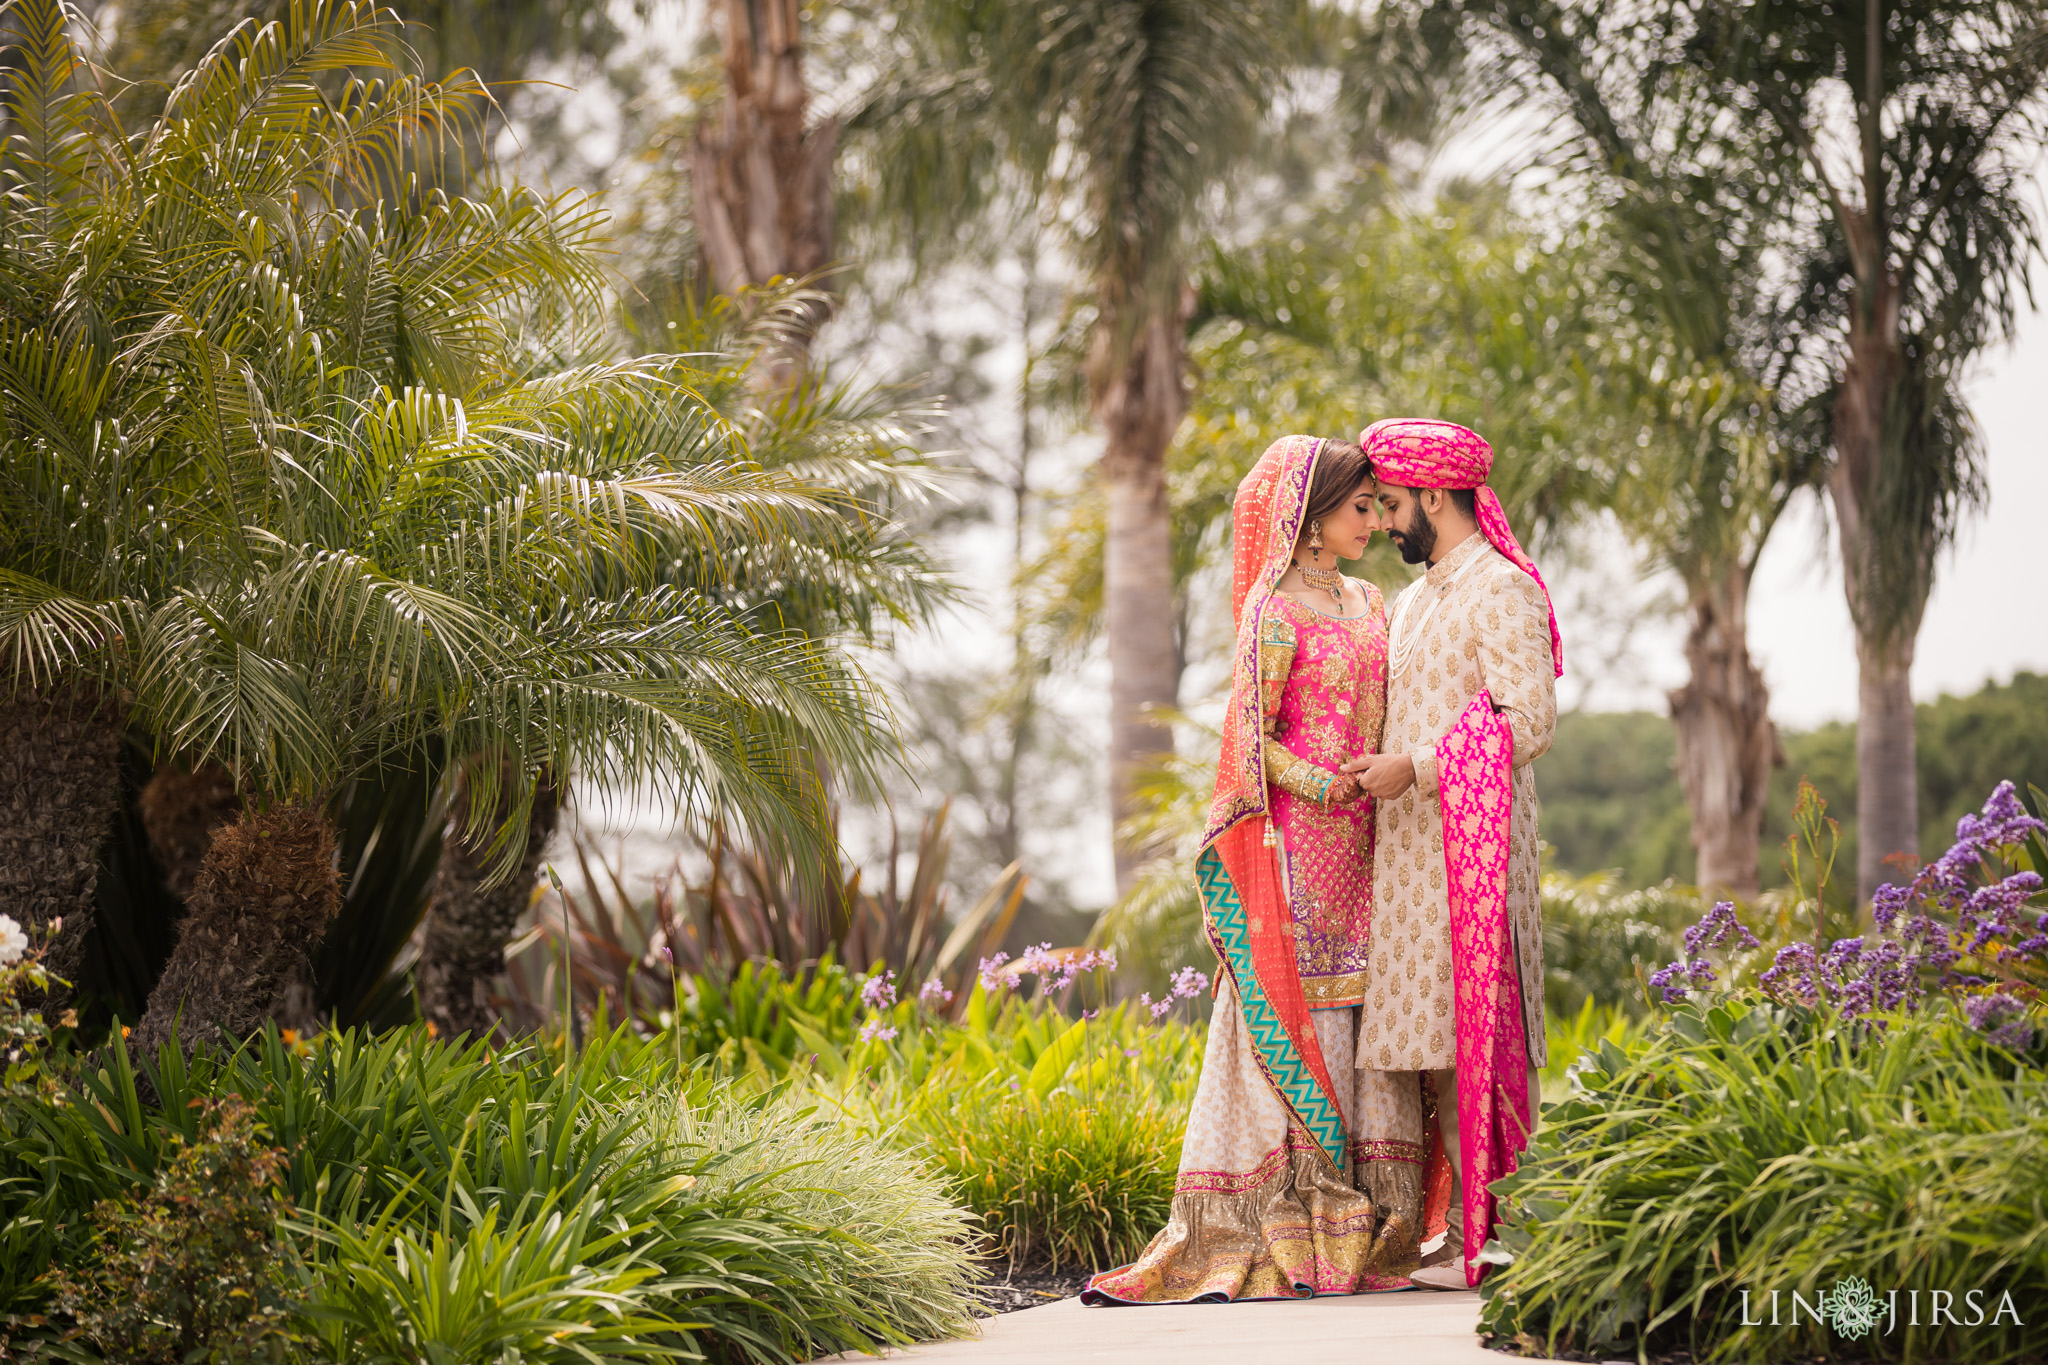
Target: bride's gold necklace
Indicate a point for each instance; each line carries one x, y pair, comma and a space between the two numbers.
1329, 580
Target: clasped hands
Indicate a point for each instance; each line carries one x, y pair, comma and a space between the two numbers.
1384, 776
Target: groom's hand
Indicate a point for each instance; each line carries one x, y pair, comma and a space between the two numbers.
1384, 776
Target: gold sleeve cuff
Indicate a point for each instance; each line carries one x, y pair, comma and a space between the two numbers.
1294, 774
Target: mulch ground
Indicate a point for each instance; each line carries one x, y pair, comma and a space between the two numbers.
1005, 1288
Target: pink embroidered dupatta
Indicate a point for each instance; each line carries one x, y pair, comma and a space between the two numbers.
1475, 769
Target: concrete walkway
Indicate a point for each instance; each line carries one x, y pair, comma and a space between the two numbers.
1414, 1327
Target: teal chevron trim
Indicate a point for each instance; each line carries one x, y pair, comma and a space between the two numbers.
1276, 1052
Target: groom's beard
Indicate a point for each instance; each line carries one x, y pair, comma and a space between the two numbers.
1417, 540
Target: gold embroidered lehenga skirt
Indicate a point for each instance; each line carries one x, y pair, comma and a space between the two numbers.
1259, 1211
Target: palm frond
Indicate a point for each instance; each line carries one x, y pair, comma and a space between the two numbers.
46, 632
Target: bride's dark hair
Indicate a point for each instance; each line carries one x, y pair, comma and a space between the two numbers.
1340, 468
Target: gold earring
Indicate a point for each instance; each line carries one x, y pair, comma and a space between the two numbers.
1315, 539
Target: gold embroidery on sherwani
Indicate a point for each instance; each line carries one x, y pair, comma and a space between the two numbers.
1490, 631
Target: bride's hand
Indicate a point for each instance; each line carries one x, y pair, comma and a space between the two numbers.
1344, 790
1385, 776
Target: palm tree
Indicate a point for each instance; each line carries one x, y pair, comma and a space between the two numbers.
93, 503
1915, 126
856, 580
1691, 211
340, 521
485, 575
1122, 117
761, 173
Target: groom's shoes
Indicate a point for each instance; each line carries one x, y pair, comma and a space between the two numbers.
1441, 1269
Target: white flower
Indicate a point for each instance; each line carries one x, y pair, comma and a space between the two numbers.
13, 942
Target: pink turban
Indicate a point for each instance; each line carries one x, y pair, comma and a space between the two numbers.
1417, 452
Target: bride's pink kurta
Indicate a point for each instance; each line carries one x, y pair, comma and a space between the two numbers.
1330, 710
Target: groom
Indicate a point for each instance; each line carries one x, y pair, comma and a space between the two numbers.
1478, 619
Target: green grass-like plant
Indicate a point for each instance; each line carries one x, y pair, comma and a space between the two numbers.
1061, 1135
457, 1204
1067, 1179
1743, 1146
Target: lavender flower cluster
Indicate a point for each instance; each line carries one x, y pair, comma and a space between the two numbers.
1056, 969
1948, 912
1187, 983
1715, 930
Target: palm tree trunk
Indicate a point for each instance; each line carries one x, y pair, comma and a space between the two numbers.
60, 781
1139, 397
1886, 585
181, 810
266, 890
760, 179
1887, 785
469, 924
1727, 745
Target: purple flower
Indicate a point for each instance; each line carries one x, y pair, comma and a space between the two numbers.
1716, 927
1886, 904
1131, 1052
933, 994
1158, 1008
2002, 1017
1667, 979
2002, 823
1190, 982
879, 992
1792, 975
1953, 908
876, 1028
990, 973
1039, 961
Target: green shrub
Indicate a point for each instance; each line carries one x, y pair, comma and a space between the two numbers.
1061, 1135
548, 1284
1571, 1036
1746, 1147
1065, 1179
896, 1266
760, 1018
192, 1270
447, 1191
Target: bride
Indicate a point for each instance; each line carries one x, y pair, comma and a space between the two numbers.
1270, 1201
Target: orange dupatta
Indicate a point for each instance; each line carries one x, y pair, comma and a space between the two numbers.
1243, 897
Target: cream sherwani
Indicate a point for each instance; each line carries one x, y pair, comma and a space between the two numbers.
1473, 622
